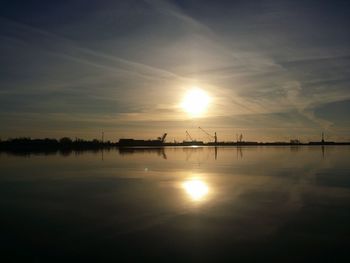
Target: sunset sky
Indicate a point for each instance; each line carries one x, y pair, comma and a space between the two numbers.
272, 70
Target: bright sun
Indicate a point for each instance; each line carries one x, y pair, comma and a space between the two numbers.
195, 102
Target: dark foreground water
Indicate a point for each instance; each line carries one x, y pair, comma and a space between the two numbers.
282, 204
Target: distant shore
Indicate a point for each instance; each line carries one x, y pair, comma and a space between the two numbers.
24, 145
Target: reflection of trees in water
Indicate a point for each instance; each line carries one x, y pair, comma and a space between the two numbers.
294, 148
61, 152
210, 152
128, 151
65, 146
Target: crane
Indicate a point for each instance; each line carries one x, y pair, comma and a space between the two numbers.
162, 139
211, 136
187, 133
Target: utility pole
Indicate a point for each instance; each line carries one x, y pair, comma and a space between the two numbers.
187, 133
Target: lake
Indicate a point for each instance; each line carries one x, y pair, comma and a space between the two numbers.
285, 204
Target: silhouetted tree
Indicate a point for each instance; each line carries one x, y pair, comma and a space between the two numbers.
65, 140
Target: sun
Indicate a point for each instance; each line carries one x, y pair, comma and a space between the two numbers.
195, 102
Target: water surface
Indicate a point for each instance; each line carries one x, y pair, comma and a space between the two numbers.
283, 204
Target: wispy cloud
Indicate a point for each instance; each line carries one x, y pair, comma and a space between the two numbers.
130, 63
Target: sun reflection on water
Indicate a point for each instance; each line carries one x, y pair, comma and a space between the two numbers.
196, 189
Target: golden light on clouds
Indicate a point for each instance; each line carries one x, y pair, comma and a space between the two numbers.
195, 102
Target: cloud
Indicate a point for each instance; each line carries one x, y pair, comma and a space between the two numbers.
129, 63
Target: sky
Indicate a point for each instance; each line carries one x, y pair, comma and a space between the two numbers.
274, 70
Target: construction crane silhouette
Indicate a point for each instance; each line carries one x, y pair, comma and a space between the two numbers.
189, 136
162, 139
211, 136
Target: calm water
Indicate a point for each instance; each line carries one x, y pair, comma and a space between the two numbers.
204, 204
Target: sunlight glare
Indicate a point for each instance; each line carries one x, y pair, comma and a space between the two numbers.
196, 189
195, 102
